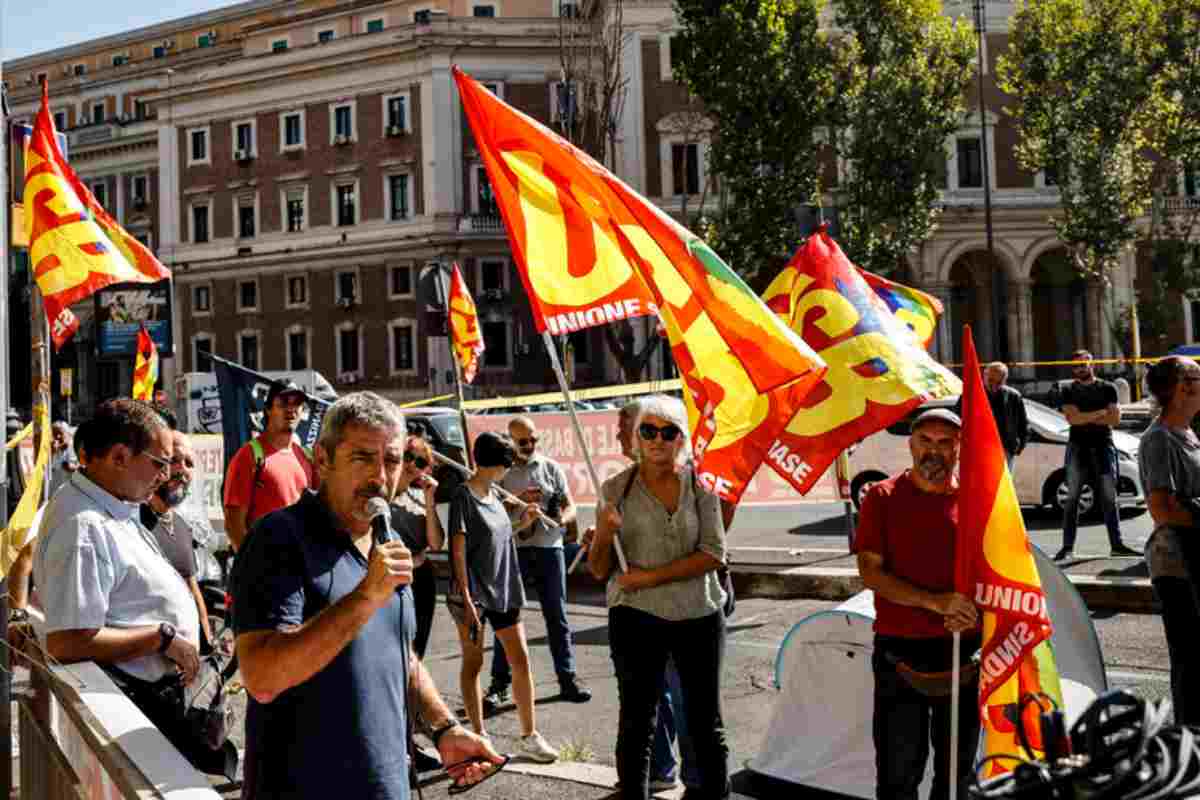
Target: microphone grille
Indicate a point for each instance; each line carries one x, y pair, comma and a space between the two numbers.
377, 506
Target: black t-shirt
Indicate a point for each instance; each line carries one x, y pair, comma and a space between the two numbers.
341, 733
1087, 397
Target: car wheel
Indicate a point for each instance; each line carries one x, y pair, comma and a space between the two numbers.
1056, 494
861, 483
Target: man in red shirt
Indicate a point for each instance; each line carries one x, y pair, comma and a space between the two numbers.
905, 543
273, 470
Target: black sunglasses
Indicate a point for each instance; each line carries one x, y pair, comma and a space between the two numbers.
418, 461
528, 441
648, 432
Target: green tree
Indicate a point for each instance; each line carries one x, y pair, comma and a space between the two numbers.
904, 71
764, 72
1174, 231
1086, 77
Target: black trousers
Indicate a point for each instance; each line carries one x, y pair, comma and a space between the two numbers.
641, 644
424, 590
1181, 621
907, 722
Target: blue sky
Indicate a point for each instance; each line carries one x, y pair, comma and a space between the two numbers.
29, 26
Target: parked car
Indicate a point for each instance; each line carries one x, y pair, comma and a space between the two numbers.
1038, 473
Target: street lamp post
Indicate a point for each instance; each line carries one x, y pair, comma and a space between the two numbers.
981, 30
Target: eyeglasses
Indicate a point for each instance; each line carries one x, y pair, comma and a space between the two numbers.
163, 464
418, 461
527, 441
667, 432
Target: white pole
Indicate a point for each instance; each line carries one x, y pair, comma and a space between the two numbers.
562, 383
444, 290
954, 693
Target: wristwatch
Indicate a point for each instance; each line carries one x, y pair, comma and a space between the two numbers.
166, 632
438, 733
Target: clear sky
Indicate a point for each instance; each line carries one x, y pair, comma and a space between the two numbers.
34, 26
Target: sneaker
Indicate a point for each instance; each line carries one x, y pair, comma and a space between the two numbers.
1064, 554
538, 749
496, 698
664, 784
574, 691
1122, 550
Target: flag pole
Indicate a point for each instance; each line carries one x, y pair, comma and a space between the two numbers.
954, 691
444, 291
5, 660
562, 383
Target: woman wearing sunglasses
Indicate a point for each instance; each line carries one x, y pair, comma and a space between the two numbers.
414, 517
669, 604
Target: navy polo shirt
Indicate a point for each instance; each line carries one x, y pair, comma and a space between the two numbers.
342, 732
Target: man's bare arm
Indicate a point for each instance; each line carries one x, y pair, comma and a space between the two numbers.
235, 525
891, 587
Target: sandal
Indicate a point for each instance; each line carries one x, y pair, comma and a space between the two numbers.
458, 787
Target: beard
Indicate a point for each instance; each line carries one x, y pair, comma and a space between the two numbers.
933, 468
172, 497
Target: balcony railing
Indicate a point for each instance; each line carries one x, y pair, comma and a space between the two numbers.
1180, 205
480, 223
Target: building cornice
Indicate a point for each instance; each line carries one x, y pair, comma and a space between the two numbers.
138, 35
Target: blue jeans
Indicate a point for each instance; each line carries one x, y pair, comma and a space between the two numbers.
1097, 466
672, 723
544, 570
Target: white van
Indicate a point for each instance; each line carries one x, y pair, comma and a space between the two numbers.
1038, 472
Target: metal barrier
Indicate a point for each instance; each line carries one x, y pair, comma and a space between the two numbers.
45, 772
81, 737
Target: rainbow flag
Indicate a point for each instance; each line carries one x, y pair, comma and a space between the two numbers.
591, 250
145, 367
75, 246
995, 567
877, 371
917, 310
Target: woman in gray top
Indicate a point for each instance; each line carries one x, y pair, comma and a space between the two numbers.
1169, 461
669, 604
485, 565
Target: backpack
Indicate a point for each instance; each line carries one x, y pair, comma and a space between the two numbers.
260, 462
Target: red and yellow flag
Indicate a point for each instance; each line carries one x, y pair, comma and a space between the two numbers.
75, 246
878, 371
145, 368
995, 567
464, 326
591, 250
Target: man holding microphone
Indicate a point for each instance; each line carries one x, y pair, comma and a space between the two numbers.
325, 624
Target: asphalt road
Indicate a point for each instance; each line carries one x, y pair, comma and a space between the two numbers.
1133, 646
823, 525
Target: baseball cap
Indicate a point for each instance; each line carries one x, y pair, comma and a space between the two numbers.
282, 387
937, 415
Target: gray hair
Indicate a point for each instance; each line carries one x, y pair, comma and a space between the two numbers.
358, 408
998, 365
672, 410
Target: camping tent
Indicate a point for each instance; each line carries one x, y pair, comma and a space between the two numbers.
820, 734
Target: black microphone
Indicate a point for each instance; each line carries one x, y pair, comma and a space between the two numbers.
381, 520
